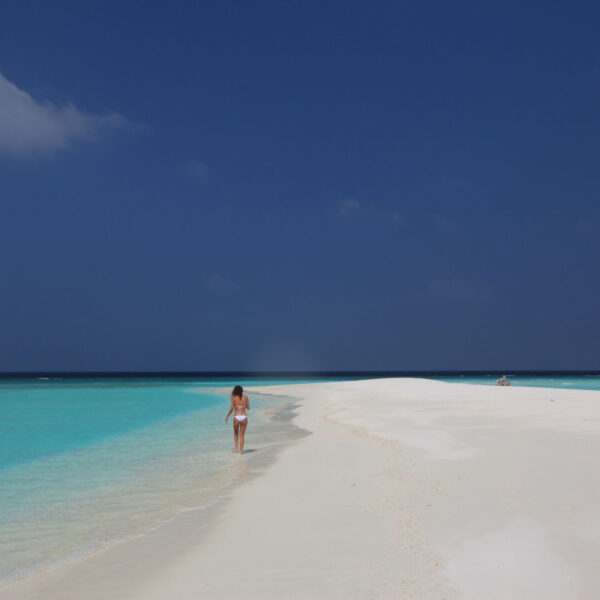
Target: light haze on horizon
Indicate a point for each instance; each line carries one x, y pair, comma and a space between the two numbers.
302, 186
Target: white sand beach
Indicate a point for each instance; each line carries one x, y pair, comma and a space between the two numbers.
405, 488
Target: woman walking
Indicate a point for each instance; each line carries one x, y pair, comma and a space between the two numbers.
239, 404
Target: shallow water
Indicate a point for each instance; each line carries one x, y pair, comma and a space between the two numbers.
87, 463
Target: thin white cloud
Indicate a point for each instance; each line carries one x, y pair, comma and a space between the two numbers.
445, 223
196, 168
349, 207
589, 226
28, 127
218, 283
396, 217
459, 290
451, 184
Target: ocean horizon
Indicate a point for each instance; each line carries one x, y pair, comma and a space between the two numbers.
269, 375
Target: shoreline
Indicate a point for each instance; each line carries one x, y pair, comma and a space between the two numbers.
406, 488
256, 459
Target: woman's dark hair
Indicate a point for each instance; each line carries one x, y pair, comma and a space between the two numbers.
238, 390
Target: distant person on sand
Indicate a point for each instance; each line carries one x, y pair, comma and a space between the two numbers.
239, 404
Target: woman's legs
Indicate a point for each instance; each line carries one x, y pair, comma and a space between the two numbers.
243, 426
236, 427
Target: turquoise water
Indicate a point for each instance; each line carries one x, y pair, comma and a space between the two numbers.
86, 463
40, 418
588, 382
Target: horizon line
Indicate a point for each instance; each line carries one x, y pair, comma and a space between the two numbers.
296, 373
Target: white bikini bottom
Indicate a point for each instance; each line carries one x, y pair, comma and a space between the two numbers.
240, 417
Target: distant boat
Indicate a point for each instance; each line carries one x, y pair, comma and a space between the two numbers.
504, 380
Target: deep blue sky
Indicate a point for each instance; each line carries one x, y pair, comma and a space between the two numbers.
297, 185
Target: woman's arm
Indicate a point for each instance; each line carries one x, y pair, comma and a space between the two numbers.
247, 402
230, 410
